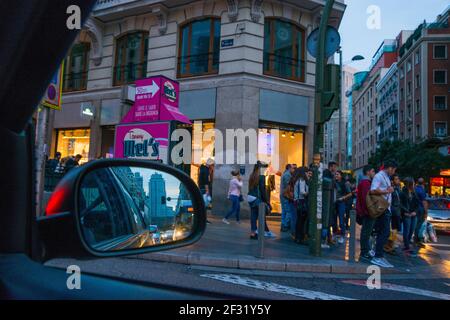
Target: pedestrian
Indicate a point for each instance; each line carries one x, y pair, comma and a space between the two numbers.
73, 162
256, 195
343, 193
205, 183
381, 186
301, 204
234, 194
349, 201
51, 164
396, 222
421, 211
367, 222
285, 208
410, 205
326, 233
61, 166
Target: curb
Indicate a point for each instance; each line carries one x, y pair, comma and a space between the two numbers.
253, 263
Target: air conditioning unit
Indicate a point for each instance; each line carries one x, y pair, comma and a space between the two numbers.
128, 93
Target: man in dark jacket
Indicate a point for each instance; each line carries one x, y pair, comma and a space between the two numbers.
396, 221
367, 222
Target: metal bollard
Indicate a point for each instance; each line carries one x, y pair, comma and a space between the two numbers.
352, 241
261, 229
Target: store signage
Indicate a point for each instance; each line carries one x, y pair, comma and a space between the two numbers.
87, 109
152, 94
227, 43
52, 96
445, 150
146, 141
445, 173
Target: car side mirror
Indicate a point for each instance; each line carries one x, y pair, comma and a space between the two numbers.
117, 207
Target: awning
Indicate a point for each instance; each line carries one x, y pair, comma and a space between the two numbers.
168, 113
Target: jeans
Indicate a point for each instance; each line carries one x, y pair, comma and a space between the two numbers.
285, 214
409, 225
366, 230
235, 207
383, 232
420, 219
300, 226
340, 210
254, 218
293, 216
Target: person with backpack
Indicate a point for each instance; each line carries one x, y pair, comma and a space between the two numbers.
256, 195
381, 190
410, 205
234, 194
363, 217
301, 204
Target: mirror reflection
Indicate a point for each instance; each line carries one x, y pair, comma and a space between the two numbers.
130, 207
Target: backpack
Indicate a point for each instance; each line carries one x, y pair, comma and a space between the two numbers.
376, 205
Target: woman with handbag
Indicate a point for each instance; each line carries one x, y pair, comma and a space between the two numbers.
300, 201
256, 195
234, 194
409, 205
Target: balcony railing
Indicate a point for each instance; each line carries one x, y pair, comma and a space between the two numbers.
129, 73
75, 81
106, 4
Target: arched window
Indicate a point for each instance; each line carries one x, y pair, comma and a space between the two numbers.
284, 50
76, 68
131, 58
199, 48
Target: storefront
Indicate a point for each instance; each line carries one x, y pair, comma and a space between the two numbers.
70, 142
440, 185
278, 146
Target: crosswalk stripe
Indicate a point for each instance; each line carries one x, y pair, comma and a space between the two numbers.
399, 288
273, 287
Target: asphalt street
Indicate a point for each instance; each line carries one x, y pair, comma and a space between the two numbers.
275, 285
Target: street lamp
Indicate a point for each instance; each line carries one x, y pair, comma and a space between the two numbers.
355, 58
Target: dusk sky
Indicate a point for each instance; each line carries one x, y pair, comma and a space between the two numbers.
395, 15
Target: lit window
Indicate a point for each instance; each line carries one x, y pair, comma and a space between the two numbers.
440, 129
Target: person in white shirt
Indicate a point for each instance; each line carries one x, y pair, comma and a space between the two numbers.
234, 194
381, 186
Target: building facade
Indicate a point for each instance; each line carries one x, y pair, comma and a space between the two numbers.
241, 64
424, 69
331, 140
387, 108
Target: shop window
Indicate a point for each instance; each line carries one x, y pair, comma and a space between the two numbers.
440, 103
76, 68
131, 58
71, 142
284, 50
278, 147
440, 51
199, 48
203, 139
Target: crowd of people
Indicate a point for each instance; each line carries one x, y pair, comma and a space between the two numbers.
404, 210
60, 165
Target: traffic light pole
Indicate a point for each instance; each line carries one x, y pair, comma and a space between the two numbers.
315, 194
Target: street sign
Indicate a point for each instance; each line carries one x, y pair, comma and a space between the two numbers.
52, 96
332, 42
227, 43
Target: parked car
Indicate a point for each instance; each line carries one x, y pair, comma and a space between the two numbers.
439, 213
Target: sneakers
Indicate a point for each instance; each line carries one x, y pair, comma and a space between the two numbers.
325, 246
381, 262
269, 234
341, 240
254, 237
365, 258
225, 221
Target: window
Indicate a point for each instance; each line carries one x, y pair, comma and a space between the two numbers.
418, 131
440, 76
409, 88
199, 48
408, 66
76, 68
417, 106
284, 50
440, 103
131, 58
417, 81
402, 94
409, 111
417, 57
440, 129
440, 51
402, 73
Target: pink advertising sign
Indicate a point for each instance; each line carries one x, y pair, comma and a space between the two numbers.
152, 95
147, 141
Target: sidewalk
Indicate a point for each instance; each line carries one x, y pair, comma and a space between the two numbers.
230, 246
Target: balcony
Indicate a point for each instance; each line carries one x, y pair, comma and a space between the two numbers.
106, 4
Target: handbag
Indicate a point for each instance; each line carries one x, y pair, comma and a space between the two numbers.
241, 198
376, 205
288, 192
